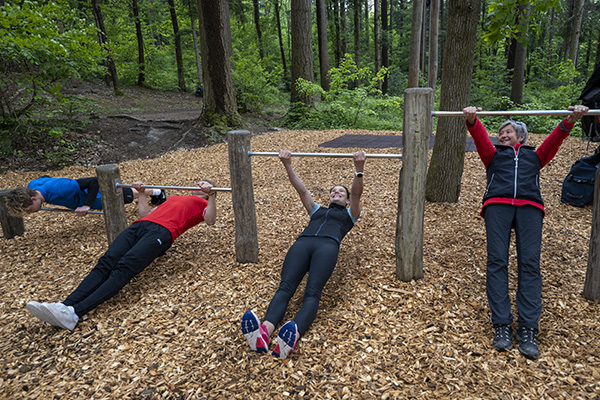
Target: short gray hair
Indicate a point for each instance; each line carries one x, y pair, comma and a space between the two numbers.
520, 129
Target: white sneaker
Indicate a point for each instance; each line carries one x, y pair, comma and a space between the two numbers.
56, 314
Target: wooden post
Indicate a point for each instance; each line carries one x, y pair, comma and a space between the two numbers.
242, 196
112, 200
11, 226
418, 124
591, 287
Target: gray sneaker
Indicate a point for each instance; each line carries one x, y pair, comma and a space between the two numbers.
502, 338
527, 338
55, 314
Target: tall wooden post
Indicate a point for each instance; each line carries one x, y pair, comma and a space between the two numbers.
242, 196
591, 288
418, 125
112, 200
11, 226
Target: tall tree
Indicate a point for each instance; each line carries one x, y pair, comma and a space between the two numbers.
415, 41
518, 77
575, 30
446, 166
337, 53
377, 33
432, 70
140, 41
178, 52
279, 34
344, 46
323, 48
256, 5
357, 33
385, 41
103, 39
219, 107
302, 56
193, 16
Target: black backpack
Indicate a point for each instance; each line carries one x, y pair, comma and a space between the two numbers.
590, 96
578, 186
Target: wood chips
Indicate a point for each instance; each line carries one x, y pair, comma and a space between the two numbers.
173, 332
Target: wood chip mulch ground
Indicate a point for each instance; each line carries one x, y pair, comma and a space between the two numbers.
173, 332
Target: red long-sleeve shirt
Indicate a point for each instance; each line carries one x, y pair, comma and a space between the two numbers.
546, 152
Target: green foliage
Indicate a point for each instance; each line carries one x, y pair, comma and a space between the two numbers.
354, 100
255, 86
502, 13
42, 43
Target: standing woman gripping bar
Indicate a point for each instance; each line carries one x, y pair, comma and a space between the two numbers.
314, 252
513, 200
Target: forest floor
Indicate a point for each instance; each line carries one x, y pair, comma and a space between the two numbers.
141, 123
173, 332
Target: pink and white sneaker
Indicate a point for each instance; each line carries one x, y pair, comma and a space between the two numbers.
287, 339
257, 334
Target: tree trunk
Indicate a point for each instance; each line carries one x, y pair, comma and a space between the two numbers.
219, 108
193, 17
432, 70
302, 56
343, 27
598, 52
102, 38
516, 92
573, 52
323, 48
337, 54
278, 19
446, 166
377, 33
140, 41
178, 53
357, 34
415, 41
258, 31
385, 60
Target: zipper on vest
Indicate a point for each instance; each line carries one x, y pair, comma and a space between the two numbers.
323, 223
516, 169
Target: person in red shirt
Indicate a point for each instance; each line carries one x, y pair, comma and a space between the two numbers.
131, 252
512, 200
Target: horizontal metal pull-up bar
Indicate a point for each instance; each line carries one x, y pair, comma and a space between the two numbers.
216, 189
68, 210
338, 155
512, 112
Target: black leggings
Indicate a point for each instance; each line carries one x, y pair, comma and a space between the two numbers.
315, 255
128, 255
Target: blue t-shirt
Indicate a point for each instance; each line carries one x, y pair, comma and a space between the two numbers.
63, 192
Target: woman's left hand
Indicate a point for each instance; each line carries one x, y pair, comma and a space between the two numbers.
359, 160
578, 112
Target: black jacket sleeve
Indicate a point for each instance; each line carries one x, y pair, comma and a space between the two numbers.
92, 186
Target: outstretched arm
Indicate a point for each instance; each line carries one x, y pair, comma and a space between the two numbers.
357, 183
210, 214
305, 197
92, 186
143, 206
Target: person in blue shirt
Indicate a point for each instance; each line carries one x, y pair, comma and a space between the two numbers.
80, 195
314, 253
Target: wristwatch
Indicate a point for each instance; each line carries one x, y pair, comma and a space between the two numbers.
359, 174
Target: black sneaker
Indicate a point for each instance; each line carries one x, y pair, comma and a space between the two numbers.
527, 338
159, 199
502, 338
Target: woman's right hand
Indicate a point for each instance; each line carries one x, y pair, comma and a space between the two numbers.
471, 114
285, 156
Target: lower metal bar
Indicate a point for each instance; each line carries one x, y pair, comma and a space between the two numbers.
68, 210
216, 189
338, 155
512, 112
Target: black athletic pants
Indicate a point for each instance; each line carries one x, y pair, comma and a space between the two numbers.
128, 255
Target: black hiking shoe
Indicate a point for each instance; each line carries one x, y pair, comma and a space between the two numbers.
159, 199
502, 338
527, 338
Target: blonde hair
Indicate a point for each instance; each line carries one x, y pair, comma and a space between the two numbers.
18, 200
